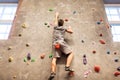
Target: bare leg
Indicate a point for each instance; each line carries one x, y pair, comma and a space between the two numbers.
53, 66
53, 69
69, 59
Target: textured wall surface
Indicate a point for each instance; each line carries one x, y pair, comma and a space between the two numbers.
83, 16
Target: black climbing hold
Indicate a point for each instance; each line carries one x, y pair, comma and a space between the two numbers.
45, 23
108, 52
116, 60
98, 23
118, 68
82, 41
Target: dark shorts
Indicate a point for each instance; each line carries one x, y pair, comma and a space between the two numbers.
64, 48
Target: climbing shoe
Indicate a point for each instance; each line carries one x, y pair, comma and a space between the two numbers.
52, 75
68, 69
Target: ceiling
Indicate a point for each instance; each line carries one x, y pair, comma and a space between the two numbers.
105, 1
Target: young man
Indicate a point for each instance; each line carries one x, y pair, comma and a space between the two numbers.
60, 45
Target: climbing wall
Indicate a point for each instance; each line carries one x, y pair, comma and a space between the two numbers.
27, 54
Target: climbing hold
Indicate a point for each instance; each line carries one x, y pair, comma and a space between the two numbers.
97, 68
74, 12
48, 26
27, 45
108, 52
71, 73
51, 55
116, 60
101, 35
45, 23
28, 56
51, 24
42, 56
10, 59
93, 51
101, 19
50, 10
25, 59
116, 73
82, 41
102, 41
24, 25
98, 22
9, 48
108, 26
115, 53
32, 60
84, 59
87, 72
19, 35
28, 62
118, 68
14, 77
57, 45
66, 20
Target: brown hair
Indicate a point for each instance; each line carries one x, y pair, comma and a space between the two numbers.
60, 22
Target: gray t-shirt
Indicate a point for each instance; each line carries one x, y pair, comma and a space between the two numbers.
58, 34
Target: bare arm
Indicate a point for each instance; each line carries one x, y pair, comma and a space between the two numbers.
56, 18
69, 30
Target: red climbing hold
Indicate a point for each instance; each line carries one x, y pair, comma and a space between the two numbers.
57, 46
93, 51
66, 20
71, 73
101, 35
97, 68
116, 73
102, 41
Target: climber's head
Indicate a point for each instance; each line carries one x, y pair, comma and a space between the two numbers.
60, 22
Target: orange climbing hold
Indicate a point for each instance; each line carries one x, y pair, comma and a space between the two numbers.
108, 26
101, 19
102, 41
97, 68
57, 45
116, 73
42, 56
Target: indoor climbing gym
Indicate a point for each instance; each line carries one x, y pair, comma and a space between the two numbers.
59, 39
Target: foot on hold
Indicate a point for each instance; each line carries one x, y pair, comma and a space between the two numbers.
68, 69
52, 75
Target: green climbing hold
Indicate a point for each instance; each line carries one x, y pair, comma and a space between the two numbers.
50, 10
51, 55
25, 59
32, 60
